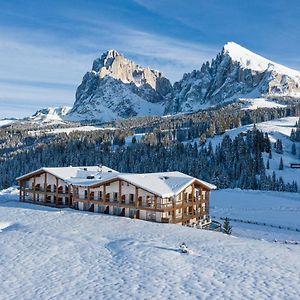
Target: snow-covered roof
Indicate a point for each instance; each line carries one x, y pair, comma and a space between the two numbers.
163, 184
73, 173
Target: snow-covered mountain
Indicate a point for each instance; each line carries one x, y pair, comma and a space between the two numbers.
116, 88
43, 117
50, 115
235, 73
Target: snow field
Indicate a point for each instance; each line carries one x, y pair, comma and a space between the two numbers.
273, 208
66, 254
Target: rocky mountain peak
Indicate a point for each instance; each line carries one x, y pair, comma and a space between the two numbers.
117, 87
105, 60
114, 64
234, 73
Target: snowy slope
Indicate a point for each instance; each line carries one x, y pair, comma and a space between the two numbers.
6, 122
249, 60
65, 254
68, 130
255, 103
273, 208
50, 115
43, 117
276, 129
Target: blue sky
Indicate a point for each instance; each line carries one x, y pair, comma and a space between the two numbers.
47, 46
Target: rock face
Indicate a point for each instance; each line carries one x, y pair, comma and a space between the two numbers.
117, 88
236, 72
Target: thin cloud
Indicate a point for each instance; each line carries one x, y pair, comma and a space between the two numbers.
22, 100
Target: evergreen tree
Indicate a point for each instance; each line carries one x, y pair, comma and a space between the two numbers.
270, 154
281, 164
294, 151
227, 228
278, 146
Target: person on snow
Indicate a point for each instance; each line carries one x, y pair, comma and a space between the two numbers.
183, 248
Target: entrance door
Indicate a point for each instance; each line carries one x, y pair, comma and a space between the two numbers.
137, 215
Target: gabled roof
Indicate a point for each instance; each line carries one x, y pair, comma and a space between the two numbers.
163, 184
66, 173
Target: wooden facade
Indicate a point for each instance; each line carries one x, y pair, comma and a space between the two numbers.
119, 197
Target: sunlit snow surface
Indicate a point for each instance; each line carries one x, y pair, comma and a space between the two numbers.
66, 254
275, 209
256, 103
253, 61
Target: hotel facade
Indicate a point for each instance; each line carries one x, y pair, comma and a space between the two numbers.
166, 197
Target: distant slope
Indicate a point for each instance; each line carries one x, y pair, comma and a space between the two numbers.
42, 117
276, 129
51, 115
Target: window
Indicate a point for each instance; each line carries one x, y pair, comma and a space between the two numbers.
131, 197
115, 196
85, 194
99, 195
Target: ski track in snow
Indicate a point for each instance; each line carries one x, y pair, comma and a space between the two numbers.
48, 253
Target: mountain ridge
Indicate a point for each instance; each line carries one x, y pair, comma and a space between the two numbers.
118, 88
235, 73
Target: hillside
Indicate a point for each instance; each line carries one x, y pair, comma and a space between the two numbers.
276, 129
69, 254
